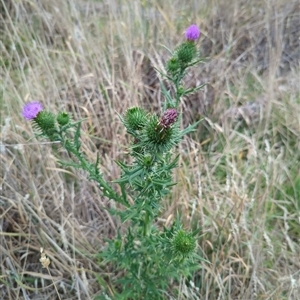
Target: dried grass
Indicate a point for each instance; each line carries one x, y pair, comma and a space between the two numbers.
239, 177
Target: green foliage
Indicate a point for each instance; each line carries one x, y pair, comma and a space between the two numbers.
145, 257
289, 195
149, 261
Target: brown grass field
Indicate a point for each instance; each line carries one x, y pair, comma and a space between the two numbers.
239, 174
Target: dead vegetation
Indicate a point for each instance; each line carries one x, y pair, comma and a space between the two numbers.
239, 177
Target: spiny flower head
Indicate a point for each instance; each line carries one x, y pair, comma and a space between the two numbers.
45, 122
135, 118
183, 243
192, 33
173, 65
156, 138
186, 52
159, 135
63, 118
31, 110
168, 118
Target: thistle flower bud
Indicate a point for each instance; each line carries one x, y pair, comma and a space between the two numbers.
45, 121
63, 118
135, 118
173, 65
147, 160
183, 243
186, 52
168, 118
158, 137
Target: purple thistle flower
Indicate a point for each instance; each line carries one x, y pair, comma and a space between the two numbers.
31, 110
192, 33
168, 118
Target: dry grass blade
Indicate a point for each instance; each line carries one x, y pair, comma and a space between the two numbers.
239, 174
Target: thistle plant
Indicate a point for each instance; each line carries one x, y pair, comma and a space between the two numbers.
148, 257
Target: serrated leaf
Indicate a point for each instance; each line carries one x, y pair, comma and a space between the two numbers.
69, 164
190, 128
77, 137
193, 90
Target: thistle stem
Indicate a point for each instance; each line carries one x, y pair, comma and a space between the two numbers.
85, 165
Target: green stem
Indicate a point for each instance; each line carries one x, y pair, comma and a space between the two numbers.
92, 170
177, 83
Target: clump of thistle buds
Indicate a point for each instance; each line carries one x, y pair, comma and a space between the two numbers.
184, 56
46, 122
145, 255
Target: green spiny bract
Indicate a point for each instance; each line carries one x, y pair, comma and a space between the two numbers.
183, 243
63, 118
45, 121
158, 139
135, 119
147, 160
173, 66
186, 53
